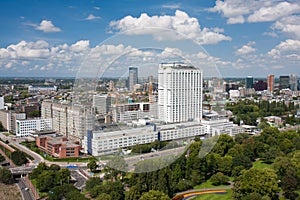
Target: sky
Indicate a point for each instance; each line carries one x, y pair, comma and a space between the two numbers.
229, 38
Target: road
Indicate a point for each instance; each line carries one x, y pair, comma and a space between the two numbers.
26, 193
80, 179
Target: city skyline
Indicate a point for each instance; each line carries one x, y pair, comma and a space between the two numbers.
241, 38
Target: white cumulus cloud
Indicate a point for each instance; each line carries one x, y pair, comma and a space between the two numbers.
246, 49
47, 27
286, 49
240, 11
92, 17
166, 27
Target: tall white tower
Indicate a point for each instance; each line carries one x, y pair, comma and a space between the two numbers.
179, 93
1, 103
132, 78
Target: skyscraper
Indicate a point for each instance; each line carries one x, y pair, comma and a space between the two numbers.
1, 103
179, 92
284, 82
270, 82
293, 82
249, 82
132, 78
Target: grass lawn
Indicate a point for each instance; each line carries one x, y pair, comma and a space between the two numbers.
226, 196
260, 165
208, 184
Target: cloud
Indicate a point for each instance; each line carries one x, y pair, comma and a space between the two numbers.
240, 11
289, 25
172, 6
177, 27
274, 12
92, 17
81, 45
47, 27
246, 49
288, 49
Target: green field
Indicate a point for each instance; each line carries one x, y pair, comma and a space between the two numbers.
208, 184
260, 165
226, 196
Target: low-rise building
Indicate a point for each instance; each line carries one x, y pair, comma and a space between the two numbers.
27, 126
59, 147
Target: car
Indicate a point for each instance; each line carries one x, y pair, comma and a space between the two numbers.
26, 189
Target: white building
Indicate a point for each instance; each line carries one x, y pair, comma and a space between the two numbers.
233, 94
1, 103
41, 88
25, 127
216, 124
132, 78
179, 93
102, 102
101, 142
70, 120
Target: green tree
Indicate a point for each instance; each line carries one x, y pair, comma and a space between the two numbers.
46, 180
92, 182
5, 176
154, 195
19, 158
219, 179
38, 170
92, 165
104, 196
261, 181
2, 158
1, 127
64, 175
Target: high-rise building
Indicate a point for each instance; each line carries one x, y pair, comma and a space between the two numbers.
102, 102
249, 82
293, 82
260, 85
1, 103
270, 82
284, 82
70, 120
179, 93
132, 78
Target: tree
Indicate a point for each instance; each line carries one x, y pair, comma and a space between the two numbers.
92, 182
5, 176
1, 127
92, 165
46, 181
64, 175
104, 196
38, 170
19, 158
219, 179
261, 181
154, 195
2, 158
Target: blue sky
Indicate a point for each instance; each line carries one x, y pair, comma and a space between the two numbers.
66, 38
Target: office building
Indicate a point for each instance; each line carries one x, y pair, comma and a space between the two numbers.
41, 88
8, 119
260, 85
249, 82
102, 103
132, 78
27, 126
270, 83
293, 82
284, 82
179, 93
130, 111
71, 120
1, 103
58, 147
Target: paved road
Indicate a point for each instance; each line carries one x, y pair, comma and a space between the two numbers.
26, 193
80, 179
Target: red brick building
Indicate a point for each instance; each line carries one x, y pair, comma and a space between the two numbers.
59, 147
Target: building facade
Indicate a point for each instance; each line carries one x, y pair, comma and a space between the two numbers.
27, 126
59, 147
284, 82
249, 82
71, 120
179, 93
270, 83
102, 103
132, 78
